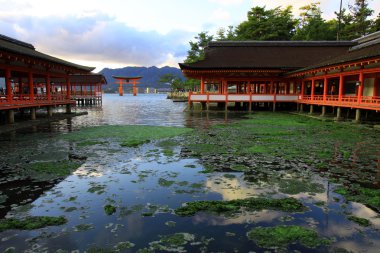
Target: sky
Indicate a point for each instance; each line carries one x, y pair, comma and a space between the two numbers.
120, 33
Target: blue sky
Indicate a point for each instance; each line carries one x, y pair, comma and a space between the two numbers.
118, 33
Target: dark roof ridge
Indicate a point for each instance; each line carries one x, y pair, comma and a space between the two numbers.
18, 42
253, 43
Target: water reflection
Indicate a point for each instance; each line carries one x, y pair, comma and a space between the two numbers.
145, 186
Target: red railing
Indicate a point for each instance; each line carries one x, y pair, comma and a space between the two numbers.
24, 100
366, 102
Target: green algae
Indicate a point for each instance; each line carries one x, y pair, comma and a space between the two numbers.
168, 152
182, 183
197, 185
294, 186
133, 143
356, 193
281, 236
170, 224
83, 227
70, 209
235, 206
229, 176
99, 250
269, 142
124, 245
90, 143
177, 239
10, 250
128, 136
97, 188
165, 183
51, 169
361, 221
30, 223
109, 209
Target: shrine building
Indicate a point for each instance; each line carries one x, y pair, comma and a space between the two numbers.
30, 80
327, 76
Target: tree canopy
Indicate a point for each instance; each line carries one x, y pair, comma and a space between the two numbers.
178, 84
280, 24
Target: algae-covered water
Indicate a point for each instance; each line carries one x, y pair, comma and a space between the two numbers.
117, 180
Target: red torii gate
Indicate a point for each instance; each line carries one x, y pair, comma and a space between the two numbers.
128, 80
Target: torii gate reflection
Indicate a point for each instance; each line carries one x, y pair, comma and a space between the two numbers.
127, 80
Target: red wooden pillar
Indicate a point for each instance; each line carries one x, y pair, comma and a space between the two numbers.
31, 86
8, 85
134, 87
302, 89
202, 85
271, 87
361, 85
341, 83
312, 88
325, 89
225, 87
48, 93
68, 87
20, 88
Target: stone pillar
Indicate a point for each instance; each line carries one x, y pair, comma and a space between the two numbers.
191, 106
33, 113
226, 106
50, 111
311, 109
358, 116
274, 107
301, 107
68, 108
250, 107
338, 114
11, 117
323, 111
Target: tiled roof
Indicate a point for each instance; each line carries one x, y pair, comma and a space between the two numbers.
282, 55
21, 48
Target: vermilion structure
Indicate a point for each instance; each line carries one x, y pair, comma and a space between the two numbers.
127, 80
30, 79
341, 74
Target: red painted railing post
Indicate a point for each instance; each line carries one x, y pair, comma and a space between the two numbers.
31, 86
341, 83
8, 85
361, 85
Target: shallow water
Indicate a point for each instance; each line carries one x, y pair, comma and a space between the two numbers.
132, 180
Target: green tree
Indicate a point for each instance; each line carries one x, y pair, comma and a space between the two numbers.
312, 26
262, 24
361, 13
174, 81
196, 52
376, 24
346, 22
177, 84
223, 34
356, 23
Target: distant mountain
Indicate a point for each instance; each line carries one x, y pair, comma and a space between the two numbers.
150, 76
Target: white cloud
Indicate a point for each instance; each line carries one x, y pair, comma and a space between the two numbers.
220, 14
227, 2
98, 39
